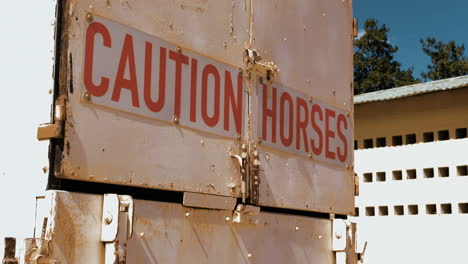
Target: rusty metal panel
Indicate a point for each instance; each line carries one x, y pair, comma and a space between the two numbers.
109, 139
303, 118
172, 233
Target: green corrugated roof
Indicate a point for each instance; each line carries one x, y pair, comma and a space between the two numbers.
410, 90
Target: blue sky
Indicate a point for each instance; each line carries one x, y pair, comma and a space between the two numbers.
411, 20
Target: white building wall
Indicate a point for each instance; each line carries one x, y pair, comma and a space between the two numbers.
396, 210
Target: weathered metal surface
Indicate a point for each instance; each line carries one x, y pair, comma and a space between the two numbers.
120, 56
9, 256
171, 233
310, 165
209, 201
104, 145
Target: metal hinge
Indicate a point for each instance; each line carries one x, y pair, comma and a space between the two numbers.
249, 166
56, 129
255, 177
114, 240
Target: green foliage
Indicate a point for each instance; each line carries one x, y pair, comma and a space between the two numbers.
374, 65
447, 59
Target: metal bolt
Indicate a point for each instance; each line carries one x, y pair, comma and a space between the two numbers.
238, 136
319, 236
142, 234
89, 17
297, 228
227, 219
87, 96
187, 214
338, 235
259, 140
309, 155
249, 255
310, 99
175, 119
108, 218
225, 44
178, 49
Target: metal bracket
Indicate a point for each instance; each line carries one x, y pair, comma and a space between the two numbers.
56, 129
255, 63
344, 241
242, 160
210, 201
112, 206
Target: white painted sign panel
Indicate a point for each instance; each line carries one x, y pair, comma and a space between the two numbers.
297, 124
128, 70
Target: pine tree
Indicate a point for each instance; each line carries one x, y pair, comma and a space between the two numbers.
374, 65
447, 59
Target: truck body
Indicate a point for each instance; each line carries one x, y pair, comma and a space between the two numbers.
199, 132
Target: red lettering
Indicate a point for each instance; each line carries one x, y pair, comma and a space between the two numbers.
230, 100
317, 110
193, 91
179, 60
342, 155
301, 125
329, 133
286, 140
269, 113
158, 105
213, 120
94, 29
127, 57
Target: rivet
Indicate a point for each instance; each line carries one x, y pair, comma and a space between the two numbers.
310, 99
338, 235
309, 155
227, 219
238, 136
87, 96
175, 119
142, 234
187, 214
225, 44
249, 255
297, 228
89, 17
319, 236
259, 140
178, 49
240, 71
108, 218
